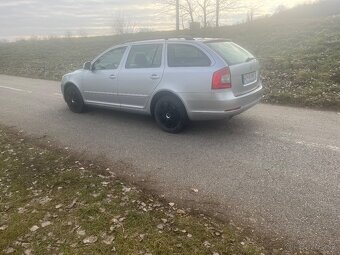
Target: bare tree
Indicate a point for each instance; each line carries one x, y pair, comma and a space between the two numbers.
224, 6
206, 8
250, 15
253, 7
172, 7
217, 7
177, 15
185, 8
123, 25
193, 10
190, 8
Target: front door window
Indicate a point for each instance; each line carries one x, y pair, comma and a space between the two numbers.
110, 60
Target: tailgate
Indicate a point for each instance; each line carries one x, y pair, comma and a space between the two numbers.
244, 68
244, 77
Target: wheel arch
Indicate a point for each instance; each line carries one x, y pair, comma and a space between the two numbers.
163, 93
69, 84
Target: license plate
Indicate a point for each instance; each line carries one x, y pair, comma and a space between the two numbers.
249, 78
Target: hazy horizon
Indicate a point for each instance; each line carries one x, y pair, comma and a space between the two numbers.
26, 18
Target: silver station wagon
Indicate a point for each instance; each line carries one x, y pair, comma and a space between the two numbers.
174, 80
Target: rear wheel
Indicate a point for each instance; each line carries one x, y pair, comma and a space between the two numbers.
170, 114
74, 99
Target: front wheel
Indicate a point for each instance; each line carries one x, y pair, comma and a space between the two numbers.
74, 99
170, 114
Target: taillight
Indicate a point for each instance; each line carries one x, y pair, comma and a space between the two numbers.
221, 79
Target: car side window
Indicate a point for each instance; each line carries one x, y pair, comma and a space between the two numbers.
110, 60
184, 55
145, 56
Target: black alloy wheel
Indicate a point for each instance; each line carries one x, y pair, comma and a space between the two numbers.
170, 114
74, 99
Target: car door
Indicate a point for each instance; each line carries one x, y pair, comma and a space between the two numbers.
140, 75
100, 84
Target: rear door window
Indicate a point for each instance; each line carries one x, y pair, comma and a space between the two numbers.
145, 56
231, 52
184, 55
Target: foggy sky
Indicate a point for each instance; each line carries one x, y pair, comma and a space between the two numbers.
23, 18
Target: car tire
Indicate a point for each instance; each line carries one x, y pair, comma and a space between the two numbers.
170, 114
74, 99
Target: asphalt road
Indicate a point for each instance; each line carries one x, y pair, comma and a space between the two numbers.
275, 169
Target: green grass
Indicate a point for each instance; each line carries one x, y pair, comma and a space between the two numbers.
40, 185
299, 51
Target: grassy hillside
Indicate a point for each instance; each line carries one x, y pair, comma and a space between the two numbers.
299, 50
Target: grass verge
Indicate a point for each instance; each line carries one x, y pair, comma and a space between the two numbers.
51, 203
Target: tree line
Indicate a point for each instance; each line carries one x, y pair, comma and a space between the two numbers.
208, 13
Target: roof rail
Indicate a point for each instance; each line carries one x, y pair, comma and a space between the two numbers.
210, 40
186, 37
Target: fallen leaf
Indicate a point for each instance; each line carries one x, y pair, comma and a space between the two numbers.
95, 195
206, 244
141, 237
34, 228
4, 227
21, 210
72, 204
28, 252
81, 232
9, 250
108, 240
125, 189
180, 211
90, 240
45, 224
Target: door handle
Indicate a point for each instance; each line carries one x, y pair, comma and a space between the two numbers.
112, 76
154, 76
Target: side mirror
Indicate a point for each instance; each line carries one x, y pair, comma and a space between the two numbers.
87, 66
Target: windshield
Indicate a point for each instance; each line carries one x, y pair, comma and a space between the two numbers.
231, 52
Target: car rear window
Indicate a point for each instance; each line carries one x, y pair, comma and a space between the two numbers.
231, 52
184, 55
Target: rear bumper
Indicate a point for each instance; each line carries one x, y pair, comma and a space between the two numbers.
219, 105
